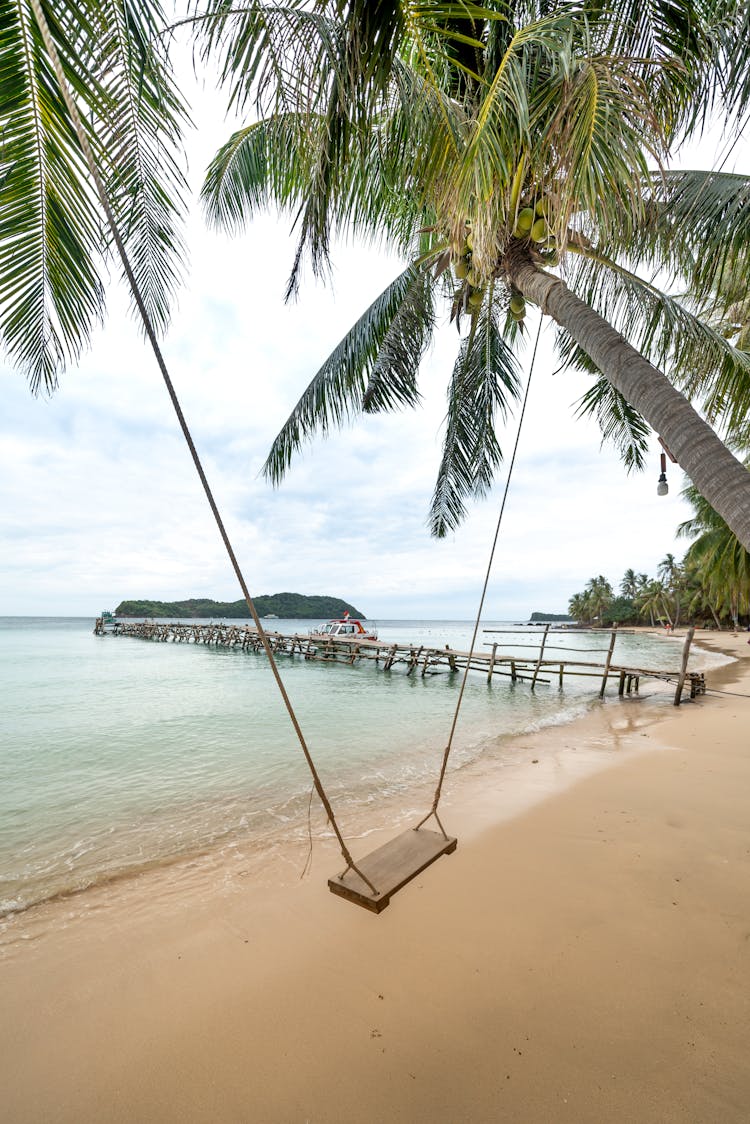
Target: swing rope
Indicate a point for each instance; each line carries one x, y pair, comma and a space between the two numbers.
446, 754
104, 200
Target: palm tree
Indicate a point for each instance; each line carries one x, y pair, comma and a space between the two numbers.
717, 560
652, 602
629, 584
579, 608
697, 595
671, 574
491, 144
599, 596
53, 249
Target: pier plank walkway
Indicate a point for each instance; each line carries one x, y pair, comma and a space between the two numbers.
419, 659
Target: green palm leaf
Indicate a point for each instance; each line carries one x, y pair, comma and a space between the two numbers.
485, 380
619, 422
260, 164
139, 143
373, 368
51, 236
704, 217
50, 291
703, 363
716, 560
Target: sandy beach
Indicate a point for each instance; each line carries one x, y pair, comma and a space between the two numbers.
584, 956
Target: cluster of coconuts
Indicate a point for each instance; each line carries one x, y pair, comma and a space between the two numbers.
532, 224
462, 267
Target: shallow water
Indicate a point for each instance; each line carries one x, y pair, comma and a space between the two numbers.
118, 754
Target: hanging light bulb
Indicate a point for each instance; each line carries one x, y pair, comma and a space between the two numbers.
662, 488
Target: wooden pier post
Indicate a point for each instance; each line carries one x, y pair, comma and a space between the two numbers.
539, 661
612, 639
513, 675
683, 668
492, 663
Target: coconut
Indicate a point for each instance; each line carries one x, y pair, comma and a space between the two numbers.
461, 268
524, 222
517, 304
539, 231
474, 278
475, 299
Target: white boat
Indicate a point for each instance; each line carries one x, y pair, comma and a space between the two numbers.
349, 628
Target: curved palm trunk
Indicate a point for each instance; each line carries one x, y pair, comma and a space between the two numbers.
716, 473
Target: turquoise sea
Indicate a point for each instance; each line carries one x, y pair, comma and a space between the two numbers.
119, 754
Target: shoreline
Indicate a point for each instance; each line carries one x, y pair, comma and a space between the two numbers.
497, 763
580, 958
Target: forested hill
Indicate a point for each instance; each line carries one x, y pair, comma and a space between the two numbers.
551, 617
279, 604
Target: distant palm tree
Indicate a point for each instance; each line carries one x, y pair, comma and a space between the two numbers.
697, 595
489, 144
629, 584
670, 572
716, 559
652, 601
599, 596
579, 608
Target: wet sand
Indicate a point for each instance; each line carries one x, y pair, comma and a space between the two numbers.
583, 957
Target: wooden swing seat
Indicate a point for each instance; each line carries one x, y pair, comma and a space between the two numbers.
391, 866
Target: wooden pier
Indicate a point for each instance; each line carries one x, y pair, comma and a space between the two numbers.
541, 668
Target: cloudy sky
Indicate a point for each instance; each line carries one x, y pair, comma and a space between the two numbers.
99, 500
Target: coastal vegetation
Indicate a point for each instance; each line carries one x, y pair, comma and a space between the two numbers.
288, 605
563, 617
710, 585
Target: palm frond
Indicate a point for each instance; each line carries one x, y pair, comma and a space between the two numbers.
268, 55
51, 236
139, 141
374, 367
275, 162
702, 363
485, 381
261, 163
704, 217
599, 129
392, 378
50, 291
619, 422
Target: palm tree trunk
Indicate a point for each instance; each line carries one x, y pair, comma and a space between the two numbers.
716, 473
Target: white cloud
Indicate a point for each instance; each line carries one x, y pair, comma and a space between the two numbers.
99, 500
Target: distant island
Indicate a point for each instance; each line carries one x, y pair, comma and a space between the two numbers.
294, 605
552, 617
